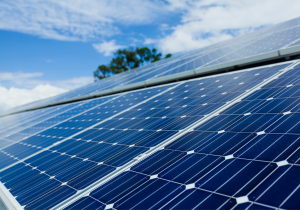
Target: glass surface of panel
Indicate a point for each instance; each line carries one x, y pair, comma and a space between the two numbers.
197, 170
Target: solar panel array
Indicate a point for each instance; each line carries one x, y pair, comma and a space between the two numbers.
227, 141
244, 158
201, 143
265, 40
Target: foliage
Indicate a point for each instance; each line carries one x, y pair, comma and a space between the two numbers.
126, 59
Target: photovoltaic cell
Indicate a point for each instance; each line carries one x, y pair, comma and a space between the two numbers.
13, 128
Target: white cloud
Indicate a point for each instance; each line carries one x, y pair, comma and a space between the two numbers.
94, 20
215, 17
26, 87
13, 97
107, 48
150, 41
20, 78
18, 75
76, 19
73, 83
31, 80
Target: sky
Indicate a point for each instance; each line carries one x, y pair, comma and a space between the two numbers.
49, 47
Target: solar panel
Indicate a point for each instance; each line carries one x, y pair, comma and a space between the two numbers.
39, 134
139, 145
241, 158
267, 43
26, 120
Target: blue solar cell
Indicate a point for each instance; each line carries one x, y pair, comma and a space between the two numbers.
182, 123
41, 141
15, 175
79, 149
190, 168
70, 172
20, 151
264, 93
99, 135
152, 194
11, 169
158, 162
34, 193
127, 137
271, 147
236, 178
120, 186
97, 148
6, 161
286, 124
251, 206
278, 105
292, 91
62, 166
69, 146
52, 198
189, 199
257, 206
48, 161
282, 82
253, 123
218, 123
243, 107
199, 199
125, 156
284, 180
155, 138
295, 156
225, 143
88, 177
19, 178
27, 185
242, 206
107, 153
190, 141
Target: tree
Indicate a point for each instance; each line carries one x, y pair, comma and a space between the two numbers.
125, 59
144, 54
168, 55
101, 72
155, 56
118, 63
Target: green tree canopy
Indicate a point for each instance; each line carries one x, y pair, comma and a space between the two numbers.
125, 59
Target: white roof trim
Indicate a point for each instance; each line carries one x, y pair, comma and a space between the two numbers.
8, 199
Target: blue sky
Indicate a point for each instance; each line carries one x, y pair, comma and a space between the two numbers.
49, 47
